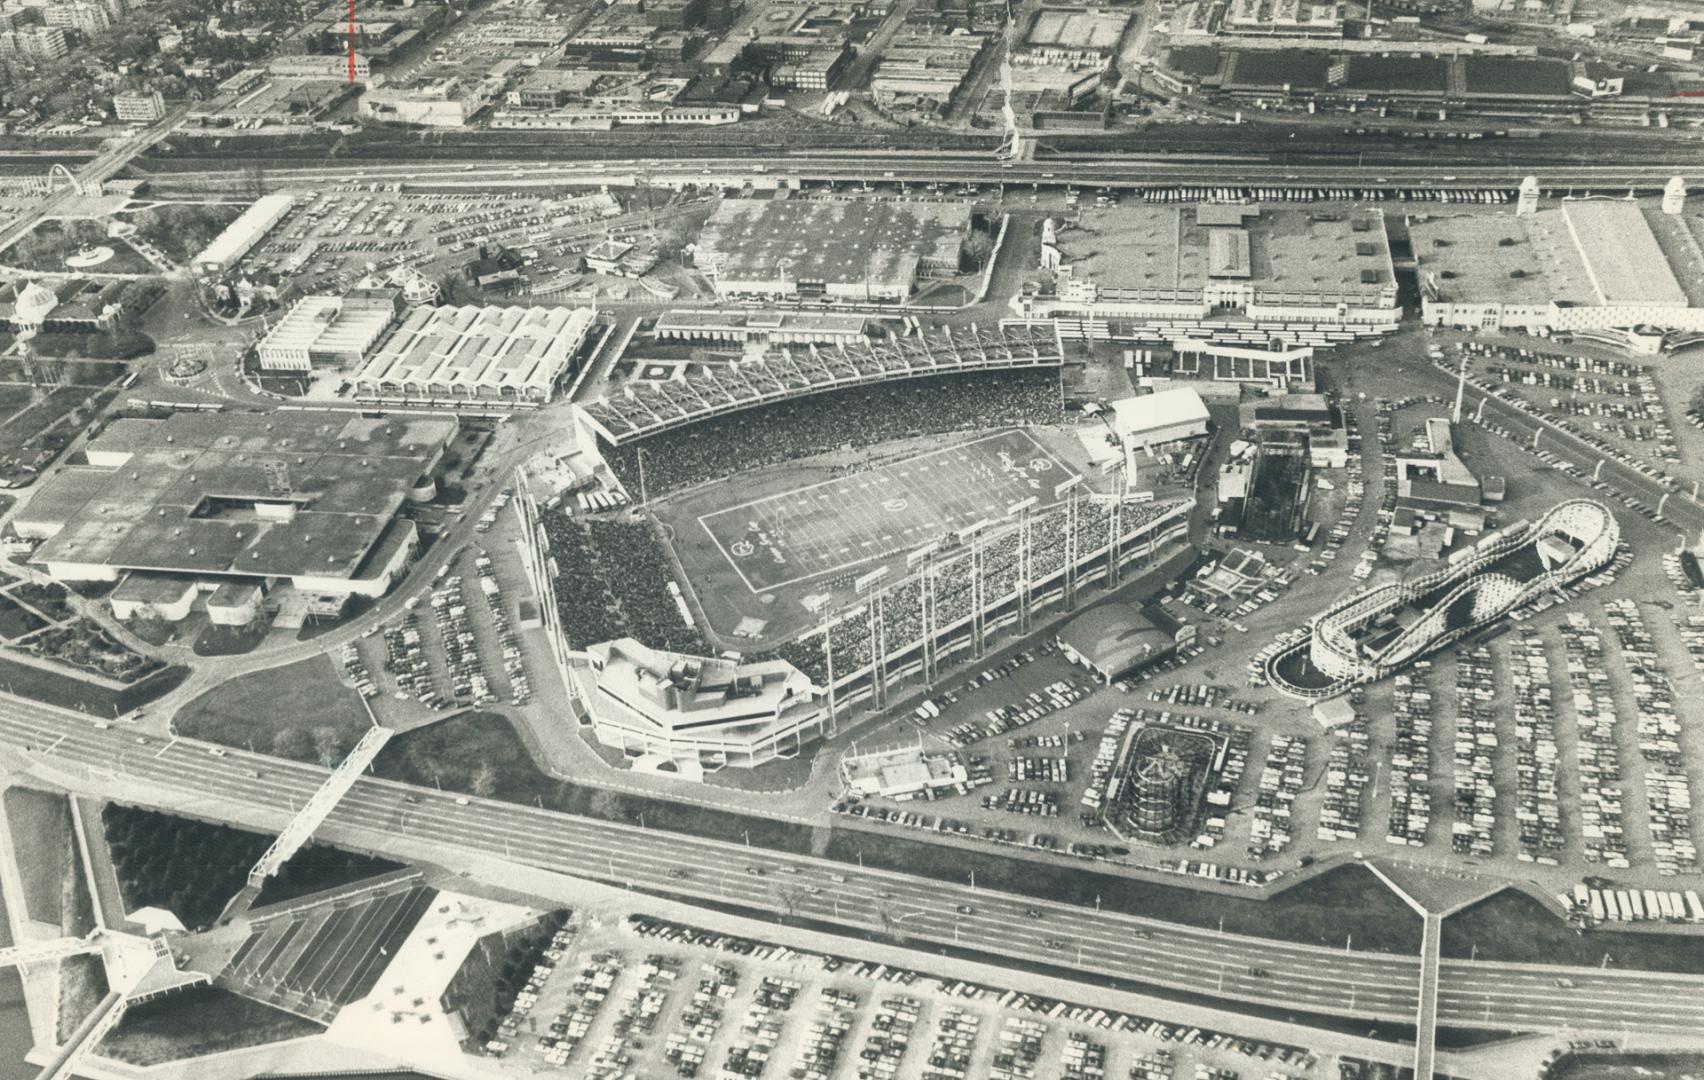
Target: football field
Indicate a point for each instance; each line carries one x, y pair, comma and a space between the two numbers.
838, 525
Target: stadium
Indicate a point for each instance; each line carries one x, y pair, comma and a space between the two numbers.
1374, 633
865, 578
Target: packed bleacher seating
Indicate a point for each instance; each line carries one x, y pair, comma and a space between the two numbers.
855, 416
637, 408
849, 638
613, 582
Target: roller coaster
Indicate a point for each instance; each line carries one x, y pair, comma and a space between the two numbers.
1376, 632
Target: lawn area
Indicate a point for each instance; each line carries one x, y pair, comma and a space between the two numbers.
31, 439
300, 711
1513, 926
117, 344
69, 692
1627, 1066
183, 230
15, 621
193, 868
198, 1021
82, 985
46, 247
479, 753
216, 640
41, 834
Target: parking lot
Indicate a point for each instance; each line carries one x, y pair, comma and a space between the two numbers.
1491, 758
646, 996
332, 237
460, 645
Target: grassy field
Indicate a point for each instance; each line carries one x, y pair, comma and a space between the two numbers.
294, 711
16, 621
69, 692
479, 753
454, 753
199, 1021
1513, 926
82, 985
1626, 1066
41, 834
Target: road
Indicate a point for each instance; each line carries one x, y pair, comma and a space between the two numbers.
1290, 977
948, 168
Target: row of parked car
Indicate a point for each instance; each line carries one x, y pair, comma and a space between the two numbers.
1668, 794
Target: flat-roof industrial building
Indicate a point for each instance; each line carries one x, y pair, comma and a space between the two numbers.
308, 498
241, 235
1239, 272
329, 332
489, 353
851, 249
1596, 266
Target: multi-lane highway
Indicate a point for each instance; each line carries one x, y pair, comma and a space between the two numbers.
1276, 974
878, 168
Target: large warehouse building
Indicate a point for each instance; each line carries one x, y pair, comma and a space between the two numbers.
1598, 267
241, 235
490, 353
307, 498
848, 249
1238, 273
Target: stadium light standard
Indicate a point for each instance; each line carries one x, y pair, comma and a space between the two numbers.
639, 451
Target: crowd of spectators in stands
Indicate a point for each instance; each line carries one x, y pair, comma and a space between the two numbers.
856, 416
849, 638
613, 581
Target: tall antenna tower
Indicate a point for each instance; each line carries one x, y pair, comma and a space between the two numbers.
1012, 146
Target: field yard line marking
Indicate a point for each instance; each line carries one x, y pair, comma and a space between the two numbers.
726, 557
845, 479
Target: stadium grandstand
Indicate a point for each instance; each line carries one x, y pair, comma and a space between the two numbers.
857, 416
645, 408
947, 607
1376, 632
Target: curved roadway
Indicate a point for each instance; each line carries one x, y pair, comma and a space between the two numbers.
1300, 977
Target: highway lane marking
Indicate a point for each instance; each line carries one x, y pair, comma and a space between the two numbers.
1117, 948
531, 843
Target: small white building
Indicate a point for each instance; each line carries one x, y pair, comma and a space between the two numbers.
234, 603
900, 773
162, 596
1145, 423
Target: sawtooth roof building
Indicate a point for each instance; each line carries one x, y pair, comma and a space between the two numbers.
308, 497
491, 353
1237, 273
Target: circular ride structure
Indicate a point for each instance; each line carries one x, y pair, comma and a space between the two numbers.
1374, 633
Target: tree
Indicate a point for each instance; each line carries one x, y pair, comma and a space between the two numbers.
330, 745
293, 743
483, 782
